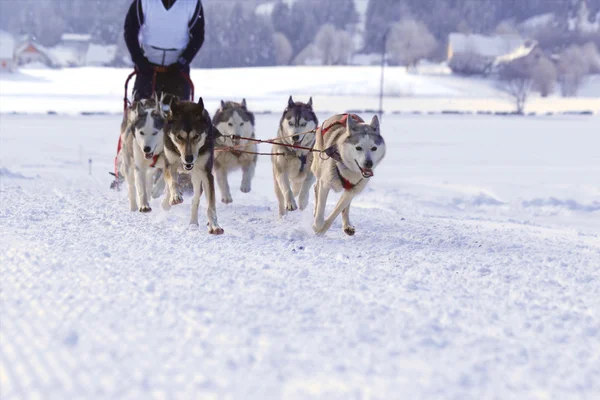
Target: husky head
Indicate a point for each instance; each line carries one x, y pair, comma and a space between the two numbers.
147, 125
297, 119
363, 147
190, 130
233, 119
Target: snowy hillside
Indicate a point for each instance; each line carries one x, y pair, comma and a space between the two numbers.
473, 273
333, 88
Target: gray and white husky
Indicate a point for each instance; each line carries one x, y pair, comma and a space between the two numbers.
355, 148
142, 136
189, 147
291, 167
234, 119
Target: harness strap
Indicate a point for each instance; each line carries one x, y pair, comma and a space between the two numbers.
303, 158
341, 121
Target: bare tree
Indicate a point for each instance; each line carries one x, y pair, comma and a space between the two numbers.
592, 56
410, 41
283, 49
518, 88
326, 43
572, 69
344, 48
544, 76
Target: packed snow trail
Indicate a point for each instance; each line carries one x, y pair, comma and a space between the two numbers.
464, 280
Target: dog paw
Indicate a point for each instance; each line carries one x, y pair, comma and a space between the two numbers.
318, 229
145, 209
245, 188
176, 200
216, 230
227, 199
350, 230
291, 205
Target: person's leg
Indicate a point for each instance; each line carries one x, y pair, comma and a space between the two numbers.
173, 83
142, 88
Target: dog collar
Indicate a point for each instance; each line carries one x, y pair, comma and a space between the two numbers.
346, 184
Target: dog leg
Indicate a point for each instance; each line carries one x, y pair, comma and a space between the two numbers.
278, 193
321, 193
286, 189
343, 203
140, 185
305, 191
349, 229
224, 185
197, 183
129, 176
173, 196
247, 175
211, 211
149, 183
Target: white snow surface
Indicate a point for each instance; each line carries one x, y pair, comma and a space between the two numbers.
334, 89
474, 273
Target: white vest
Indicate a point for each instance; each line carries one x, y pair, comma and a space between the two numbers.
165, 33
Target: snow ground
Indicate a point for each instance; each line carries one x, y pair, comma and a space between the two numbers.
473, 274
73, 90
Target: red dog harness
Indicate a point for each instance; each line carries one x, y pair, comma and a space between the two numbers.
346, 184
342, 121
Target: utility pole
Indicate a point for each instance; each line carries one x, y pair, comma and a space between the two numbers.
381, 82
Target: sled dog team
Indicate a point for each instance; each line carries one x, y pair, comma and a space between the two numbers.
163, 138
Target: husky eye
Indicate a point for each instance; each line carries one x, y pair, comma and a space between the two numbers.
155, 133
374, 148
179, 137
197, 137
303, 124
230, 124
358, 148
241, 124
142, 133
290, 123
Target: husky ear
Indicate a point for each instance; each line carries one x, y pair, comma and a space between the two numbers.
350, 123
244, 104
310, 102
222, 104
137, 107
375, 123
201, 102
291, 102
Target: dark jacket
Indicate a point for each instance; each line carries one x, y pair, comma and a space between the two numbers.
134, 21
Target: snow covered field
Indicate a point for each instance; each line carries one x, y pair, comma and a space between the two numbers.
474, 273
335, 89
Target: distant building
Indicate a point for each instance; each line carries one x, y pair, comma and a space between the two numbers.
29, 52
73, 49
7, 52
101, 55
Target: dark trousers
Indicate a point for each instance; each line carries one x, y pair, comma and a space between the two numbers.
170, 82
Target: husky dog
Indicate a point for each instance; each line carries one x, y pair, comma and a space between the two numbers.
291, 167
142, 135
355, 149
189, 146
234, 119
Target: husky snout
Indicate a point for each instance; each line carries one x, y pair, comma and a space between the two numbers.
296, 138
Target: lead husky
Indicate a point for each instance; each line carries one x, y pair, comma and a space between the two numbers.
234, 119
291, 167
355, 149
189, 146
142, 135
